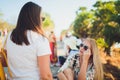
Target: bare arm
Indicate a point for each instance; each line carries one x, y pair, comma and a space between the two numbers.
84, 65
83, 69
44, 67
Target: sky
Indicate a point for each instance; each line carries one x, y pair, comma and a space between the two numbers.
62, 12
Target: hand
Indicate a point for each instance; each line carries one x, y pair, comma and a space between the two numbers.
86, 55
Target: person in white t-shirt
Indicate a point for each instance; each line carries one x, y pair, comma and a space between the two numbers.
28, 49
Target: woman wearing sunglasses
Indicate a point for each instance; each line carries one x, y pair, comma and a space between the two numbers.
85, 65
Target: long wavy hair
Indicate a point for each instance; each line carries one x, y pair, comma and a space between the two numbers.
96, 60
28, 19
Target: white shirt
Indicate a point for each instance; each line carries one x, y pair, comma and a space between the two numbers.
22, 59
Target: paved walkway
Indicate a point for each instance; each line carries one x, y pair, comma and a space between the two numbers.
54, 72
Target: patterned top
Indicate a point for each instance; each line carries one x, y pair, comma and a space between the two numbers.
73, 63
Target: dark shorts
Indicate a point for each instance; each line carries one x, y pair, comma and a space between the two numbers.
62, 59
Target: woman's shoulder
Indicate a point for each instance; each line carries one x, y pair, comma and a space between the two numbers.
35, 37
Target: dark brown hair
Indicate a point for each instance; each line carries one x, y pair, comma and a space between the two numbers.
28, 19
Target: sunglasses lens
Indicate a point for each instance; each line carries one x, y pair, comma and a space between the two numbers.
85, 47
81, 45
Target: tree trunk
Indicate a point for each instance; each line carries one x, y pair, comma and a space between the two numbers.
107, 50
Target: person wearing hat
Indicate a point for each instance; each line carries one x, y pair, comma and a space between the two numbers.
71, 47
71, 44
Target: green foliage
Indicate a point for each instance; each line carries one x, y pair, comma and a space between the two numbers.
101, 22
113, 36
101, 43
97, 29
48, 22
83, 8
5, 25
0, 14
117, 6
82, 23
108, 16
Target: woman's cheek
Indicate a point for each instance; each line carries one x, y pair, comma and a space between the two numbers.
81, 52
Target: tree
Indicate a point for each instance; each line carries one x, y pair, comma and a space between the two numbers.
4, 24
108, 15
82, 23
48, 24
101, 22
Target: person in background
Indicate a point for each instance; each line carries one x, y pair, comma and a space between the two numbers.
71, 48
52, 41
67, 36
71, 45
28, 49
84, 65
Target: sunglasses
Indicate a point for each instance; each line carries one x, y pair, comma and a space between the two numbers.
43, 18
84, 46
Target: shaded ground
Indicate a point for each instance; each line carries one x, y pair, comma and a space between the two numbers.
111, 72
54, 71
112, 68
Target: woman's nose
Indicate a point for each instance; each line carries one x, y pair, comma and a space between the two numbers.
81, 48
